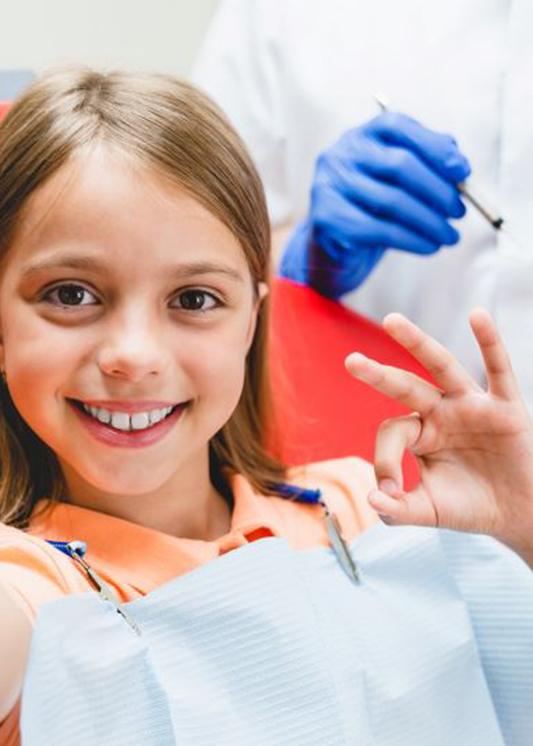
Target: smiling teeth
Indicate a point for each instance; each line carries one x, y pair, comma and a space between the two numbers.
125, 421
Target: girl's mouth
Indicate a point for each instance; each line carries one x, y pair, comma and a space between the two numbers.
129, 429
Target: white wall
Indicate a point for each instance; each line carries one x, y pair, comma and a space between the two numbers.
144, 34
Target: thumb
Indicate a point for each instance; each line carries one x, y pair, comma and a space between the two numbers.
412, 508
394, 505
393, 438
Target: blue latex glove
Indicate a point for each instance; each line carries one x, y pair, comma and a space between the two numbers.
391, 183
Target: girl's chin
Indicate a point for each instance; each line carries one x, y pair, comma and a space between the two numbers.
118, 477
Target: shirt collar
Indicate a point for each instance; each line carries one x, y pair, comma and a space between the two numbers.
144, 557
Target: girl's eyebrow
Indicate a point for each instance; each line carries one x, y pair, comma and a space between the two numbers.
185, 270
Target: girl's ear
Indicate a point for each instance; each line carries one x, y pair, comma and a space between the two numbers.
262, 292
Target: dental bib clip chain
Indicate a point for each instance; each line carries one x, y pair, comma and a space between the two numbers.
338, 542
76, 550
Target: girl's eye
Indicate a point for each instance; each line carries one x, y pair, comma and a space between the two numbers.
195, 300
70, 295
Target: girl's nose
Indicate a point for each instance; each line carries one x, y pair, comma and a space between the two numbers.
132, 352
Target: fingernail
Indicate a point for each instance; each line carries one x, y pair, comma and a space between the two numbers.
452, 236
356, 357
457, 209
457, 168
388, 486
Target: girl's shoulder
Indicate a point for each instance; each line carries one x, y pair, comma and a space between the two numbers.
344, 484
33, 572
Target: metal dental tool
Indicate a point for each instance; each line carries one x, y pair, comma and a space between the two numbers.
492, 216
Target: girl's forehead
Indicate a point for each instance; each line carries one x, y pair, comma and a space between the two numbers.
105, 202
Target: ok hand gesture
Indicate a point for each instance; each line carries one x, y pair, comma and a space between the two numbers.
474, 447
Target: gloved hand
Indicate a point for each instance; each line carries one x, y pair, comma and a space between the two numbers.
391, 183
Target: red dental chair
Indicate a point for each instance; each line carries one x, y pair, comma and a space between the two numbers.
322, 411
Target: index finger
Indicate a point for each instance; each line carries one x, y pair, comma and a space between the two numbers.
407, 170
438, 150
401, 385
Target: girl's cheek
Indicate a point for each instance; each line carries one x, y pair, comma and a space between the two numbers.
219, 362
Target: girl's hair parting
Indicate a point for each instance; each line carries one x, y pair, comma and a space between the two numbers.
169, 126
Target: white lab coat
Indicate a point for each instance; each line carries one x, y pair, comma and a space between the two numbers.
294, 74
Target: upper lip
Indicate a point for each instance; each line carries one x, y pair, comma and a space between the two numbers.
120, 405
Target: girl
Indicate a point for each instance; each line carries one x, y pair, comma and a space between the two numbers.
177, 584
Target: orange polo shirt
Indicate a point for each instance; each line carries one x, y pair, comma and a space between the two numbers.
134, 559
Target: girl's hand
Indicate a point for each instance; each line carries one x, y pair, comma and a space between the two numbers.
474, 447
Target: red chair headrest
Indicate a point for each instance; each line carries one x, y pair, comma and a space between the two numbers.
324, 412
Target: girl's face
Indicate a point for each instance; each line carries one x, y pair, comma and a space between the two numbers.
126, 313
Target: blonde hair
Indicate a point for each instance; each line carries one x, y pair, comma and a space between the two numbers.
167, 125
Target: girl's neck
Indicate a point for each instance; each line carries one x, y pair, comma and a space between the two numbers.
187, 506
